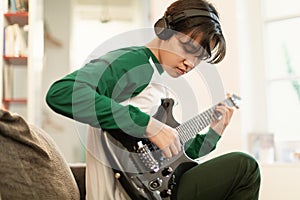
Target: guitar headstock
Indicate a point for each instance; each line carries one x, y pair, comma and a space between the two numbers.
233, 100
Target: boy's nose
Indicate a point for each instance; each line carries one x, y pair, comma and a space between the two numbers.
189, 64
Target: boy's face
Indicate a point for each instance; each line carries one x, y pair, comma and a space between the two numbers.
180, 54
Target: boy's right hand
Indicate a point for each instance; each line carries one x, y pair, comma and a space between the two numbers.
164, 137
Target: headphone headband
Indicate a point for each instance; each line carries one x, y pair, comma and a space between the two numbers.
164, 26
192, 13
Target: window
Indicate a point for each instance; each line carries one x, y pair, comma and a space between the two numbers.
282, 61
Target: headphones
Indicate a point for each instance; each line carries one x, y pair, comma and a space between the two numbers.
164, 30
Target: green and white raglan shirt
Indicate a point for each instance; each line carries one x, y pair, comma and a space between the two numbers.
118, 90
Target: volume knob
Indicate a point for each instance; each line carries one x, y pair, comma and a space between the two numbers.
167, 171
166, 193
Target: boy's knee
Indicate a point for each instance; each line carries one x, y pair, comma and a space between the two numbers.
247, 163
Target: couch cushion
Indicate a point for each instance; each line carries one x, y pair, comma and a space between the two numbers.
78, 170
31, 165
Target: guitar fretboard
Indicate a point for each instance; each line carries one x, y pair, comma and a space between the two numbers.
190, 128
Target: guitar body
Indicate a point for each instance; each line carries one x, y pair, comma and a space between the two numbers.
139, 165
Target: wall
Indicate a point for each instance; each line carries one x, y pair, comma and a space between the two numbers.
89, 32
58, 20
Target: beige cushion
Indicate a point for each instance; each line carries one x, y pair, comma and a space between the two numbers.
31, 165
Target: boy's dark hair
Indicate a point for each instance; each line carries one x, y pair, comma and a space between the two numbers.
209, 29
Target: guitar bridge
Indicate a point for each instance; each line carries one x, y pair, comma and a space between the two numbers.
146, 157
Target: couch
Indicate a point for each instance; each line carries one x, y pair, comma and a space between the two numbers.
32, 166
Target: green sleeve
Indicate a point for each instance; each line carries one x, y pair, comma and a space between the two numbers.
202, 144
93, 94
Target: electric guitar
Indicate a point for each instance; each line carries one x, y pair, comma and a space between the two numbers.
139, 165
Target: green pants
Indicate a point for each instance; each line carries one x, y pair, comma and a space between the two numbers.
233, 176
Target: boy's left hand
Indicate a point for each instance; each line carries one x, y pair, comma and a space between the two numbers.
219, 125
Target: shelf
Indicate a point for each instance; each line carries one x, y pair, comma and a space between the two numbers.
6, 101
20, 78
295, 164
21, 60
20, 18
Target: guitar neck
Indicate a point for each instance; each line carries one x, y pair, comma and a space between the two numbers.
193, 126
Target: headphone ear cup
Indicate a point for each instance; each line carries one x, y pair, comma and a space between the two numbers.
162, 29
